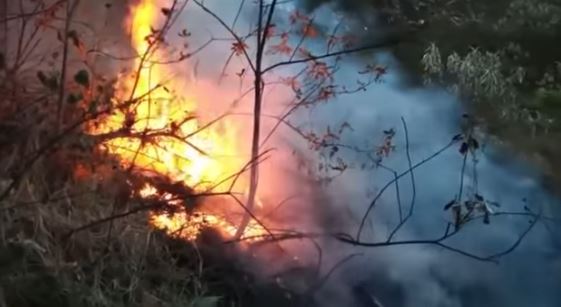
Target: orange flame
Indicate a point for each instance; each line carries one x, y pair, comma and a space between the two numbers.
169, 140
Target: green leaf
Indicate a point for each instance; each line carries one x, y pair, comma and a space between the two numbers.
549, 99
82, 77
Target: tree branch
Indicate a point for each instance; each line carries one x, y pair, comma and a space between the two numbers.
384, 44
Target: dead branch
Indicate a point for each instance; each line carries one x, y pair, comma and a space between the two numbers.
283, 235
418, 164
413, 186
58, 138
228, 28
384, 44
71, 6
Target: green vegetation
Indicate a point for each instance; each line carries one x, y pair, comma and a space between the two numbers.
503, 59
72, 236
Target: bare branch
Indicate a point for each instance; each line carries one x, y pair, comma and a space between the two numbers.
71, 6
413, 186
373, 202
228, 28
383, 44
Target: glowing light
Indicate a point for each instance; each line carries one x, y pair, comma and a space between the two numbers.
161, 133
190, 226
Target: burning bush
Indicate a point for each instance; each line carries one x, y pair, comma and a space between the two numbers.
125, 183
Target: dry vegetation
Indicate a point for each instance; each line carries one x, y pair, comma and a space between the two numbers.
57, 245
74, 230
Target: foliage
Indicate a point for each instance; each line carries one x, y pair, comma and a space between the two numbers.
73, 225
480, 76
500, 56
539, 15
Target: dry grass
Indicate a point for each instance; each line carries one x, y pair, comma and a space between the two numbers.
124, 263
54, 180
119, 263
56, 188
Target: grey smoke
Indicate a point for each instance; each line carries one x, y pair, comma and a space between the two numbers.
428, 276
424, 275
413, 276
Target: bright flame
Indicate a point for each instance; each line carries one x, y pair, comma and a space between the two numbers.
162, 135
189, 226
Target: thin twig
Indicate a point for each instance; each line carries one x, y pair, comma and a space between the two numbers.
375, 199
383, 44
413, 185
70, 8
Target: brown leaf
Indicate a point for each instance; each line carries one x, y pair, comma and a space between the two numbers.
166, 11
309, 31
270, 31
293, 83
326, 93
320, 70
239, 47
281, 48
297, 16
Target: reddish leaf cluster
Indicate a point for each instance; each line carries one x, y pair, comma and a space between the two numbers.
293, 83
49, 15
239, 47
387, 146
318, 142
376, 70
309, 31
349, 41
282, 47
270, 31
326, 92
305, 24
297, 16
319, 70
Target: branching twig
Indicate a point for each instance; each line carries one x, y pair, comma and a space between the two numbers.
413, 186
383, 44
70, 8
228, 28
375, 199
258, 103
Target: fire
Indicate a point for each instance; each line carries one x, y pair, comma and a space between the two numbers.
189, 226
163, 134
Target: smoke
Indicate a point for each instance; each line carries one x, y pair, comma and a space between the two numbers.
411, 275
425, 275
